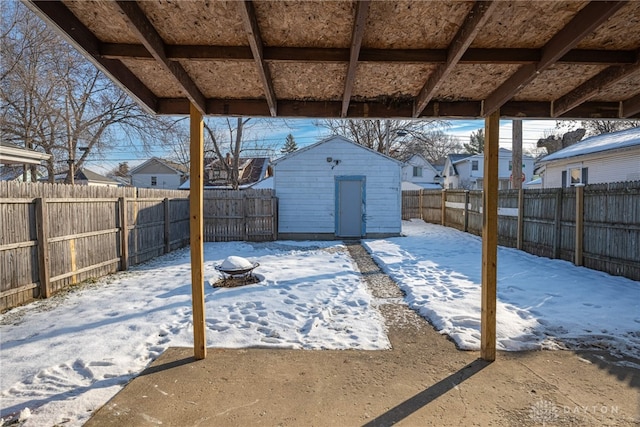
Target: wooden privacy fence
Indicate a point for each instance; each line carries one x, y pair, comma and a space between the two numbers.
597, 226
53, 236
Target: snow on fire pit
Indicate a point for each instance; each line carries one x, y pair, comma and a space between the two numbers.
236, 271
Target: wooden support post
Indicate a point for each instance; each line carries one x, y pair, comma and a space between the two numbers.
42, 224
558, 225
520, 219
579, 223
516, 155
443, 208
421, 202
490, 238
466, 210
196, 195
167, 225
124, 235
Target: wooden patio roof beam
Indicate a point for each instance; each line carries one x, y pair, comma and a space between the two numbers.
583, 23
315, 54
81, 37
362, 12
473, 22
255, 42
592, 87
152, 41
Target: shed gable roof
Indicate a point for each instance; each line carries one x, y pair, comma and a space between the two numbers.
171, 167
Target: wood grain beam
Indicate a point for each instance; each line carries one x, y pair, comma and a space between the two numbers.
255, 42
490, 238
472, 24
630, 107
196, 230
84, 40
338, 55
583, 23
592, 87
362, 12
152, 41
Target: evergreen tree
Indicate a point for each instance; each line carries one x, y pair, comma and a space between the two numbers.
289, 146
476, 142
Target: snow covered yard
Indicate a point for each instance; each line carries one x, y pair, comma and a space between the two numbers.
542, 303
64, 357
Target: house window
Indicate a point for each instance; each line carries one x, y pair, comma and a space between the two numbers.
510, 165
450, 170
417, 171
474, 165
154, 181
574, 175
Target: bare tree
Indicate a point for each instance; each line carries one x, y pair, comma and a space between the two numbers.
54, 100
228, 135
397, 138
596, 127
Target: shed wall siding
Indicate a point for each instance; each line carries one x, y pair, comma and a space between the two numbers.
305, 187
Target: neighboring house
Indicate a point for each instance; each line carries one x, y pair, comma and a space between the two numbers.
419, 171
158, 173
336, 188
11, 154
468, 170
84, 176
609, 157
450, 175
251, 170
16, 172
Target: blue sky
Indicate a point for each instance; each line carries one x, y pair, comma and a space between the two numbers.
304, 131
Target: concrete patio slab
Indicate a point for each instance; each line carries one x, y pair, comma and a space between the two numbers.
422, 381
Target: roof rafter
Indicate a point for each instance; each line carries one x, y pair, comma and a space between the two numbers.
81, 37
474, 21
152, 41
630, 107
255, 42
583, 23
592, 87
362, 11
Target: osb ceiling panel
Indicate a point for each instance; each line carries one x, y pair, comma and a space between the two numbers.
556, 81
305, 24
392, 58
619, 32
526, 24
413, 25
315, 81
196, 22
404, 80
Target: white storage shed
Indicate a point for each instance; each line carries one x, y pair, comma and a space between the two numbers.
338, 189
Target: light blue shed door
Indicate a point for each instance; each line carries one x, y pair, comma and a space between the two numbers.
350, 192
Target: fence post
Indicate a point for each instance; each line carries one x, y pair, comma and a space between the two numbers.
420, 202
520, 219
579, 223
167, 225
124, 235
558, 224
466, 211
42, 224
443, 208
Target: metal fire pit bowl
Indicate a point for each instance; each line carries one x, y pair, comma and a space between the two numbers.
238, 272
